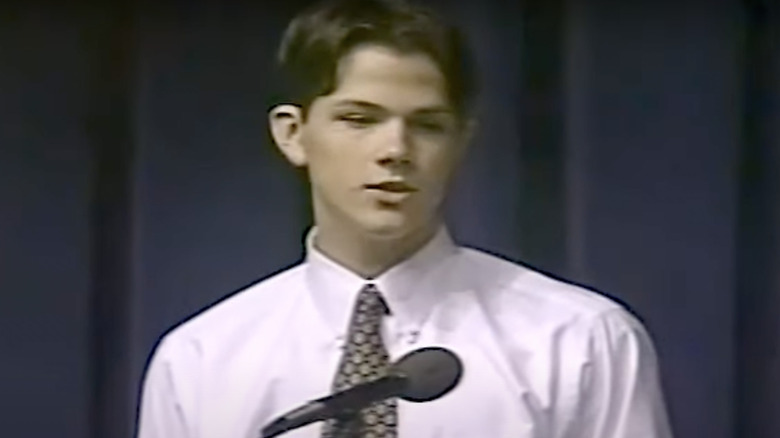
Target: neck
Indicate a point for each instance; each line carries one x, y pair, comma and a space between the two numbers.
367, 255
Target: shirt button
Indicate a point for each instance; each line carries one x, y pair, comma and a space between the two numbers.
413, 336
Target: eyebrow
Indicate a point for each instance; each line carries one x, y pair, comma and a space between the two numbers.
374, 107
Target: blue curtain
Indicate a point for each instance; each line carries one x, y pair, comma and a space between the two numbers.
632, 147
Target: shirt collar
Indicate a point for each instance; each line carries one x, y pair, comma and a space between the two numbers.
409, 288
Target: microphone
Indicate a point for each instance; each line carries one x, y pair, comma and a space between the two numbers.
419, 376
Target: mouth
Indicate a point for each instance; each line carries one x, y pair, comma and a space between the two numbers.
392, 187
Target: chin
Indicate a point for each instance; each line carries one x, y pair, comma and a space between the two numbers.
392, 225
385, 227
386, 231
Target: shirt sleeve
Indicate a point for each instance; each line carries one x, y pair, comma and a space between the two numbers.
161, 414
623, 396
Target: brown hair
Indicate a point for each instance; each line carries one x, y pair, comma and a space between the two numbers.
316, 40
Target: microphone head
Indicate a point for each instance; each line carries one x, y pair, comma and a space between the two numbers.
429, 373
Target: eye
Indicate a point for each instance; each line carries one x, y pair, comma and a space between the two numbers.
357, 120
431, 126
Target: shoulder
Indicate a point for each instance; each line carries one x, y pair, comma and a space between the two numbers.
246, 310
516, 287
524, 302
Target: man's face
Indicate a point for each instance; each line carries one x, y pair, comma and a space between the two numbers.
381, 149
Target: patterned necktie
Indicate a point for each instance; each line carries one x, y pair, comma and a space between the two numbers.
365, 358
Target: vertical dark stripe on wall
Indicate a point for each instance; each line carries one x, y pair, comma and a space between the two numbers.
757, 295
110, 39
542, 220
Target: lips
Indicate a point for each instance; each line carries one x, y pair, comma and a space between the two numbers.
392, 186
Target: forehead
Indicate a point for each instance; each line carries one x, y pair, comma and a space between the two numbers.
389, 78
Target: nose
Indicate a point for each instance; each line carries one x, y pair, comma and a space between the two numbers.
395, 144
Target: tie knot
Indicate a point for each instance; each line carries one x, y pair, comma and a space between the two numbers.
370, 300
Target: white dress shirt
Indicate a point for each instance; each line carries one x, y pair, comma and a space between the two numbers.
542, 358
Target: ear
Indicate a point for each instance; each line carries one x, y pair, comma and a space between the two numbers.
286, 123
466, 135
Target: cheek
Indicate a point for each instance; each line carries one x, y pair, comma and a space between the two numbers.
333, 159
439, 166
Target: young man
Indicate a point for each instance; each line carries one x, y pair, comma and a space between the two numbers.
379, 117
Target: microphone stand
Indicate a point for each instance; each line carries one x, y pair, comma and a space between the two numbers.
351, 423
